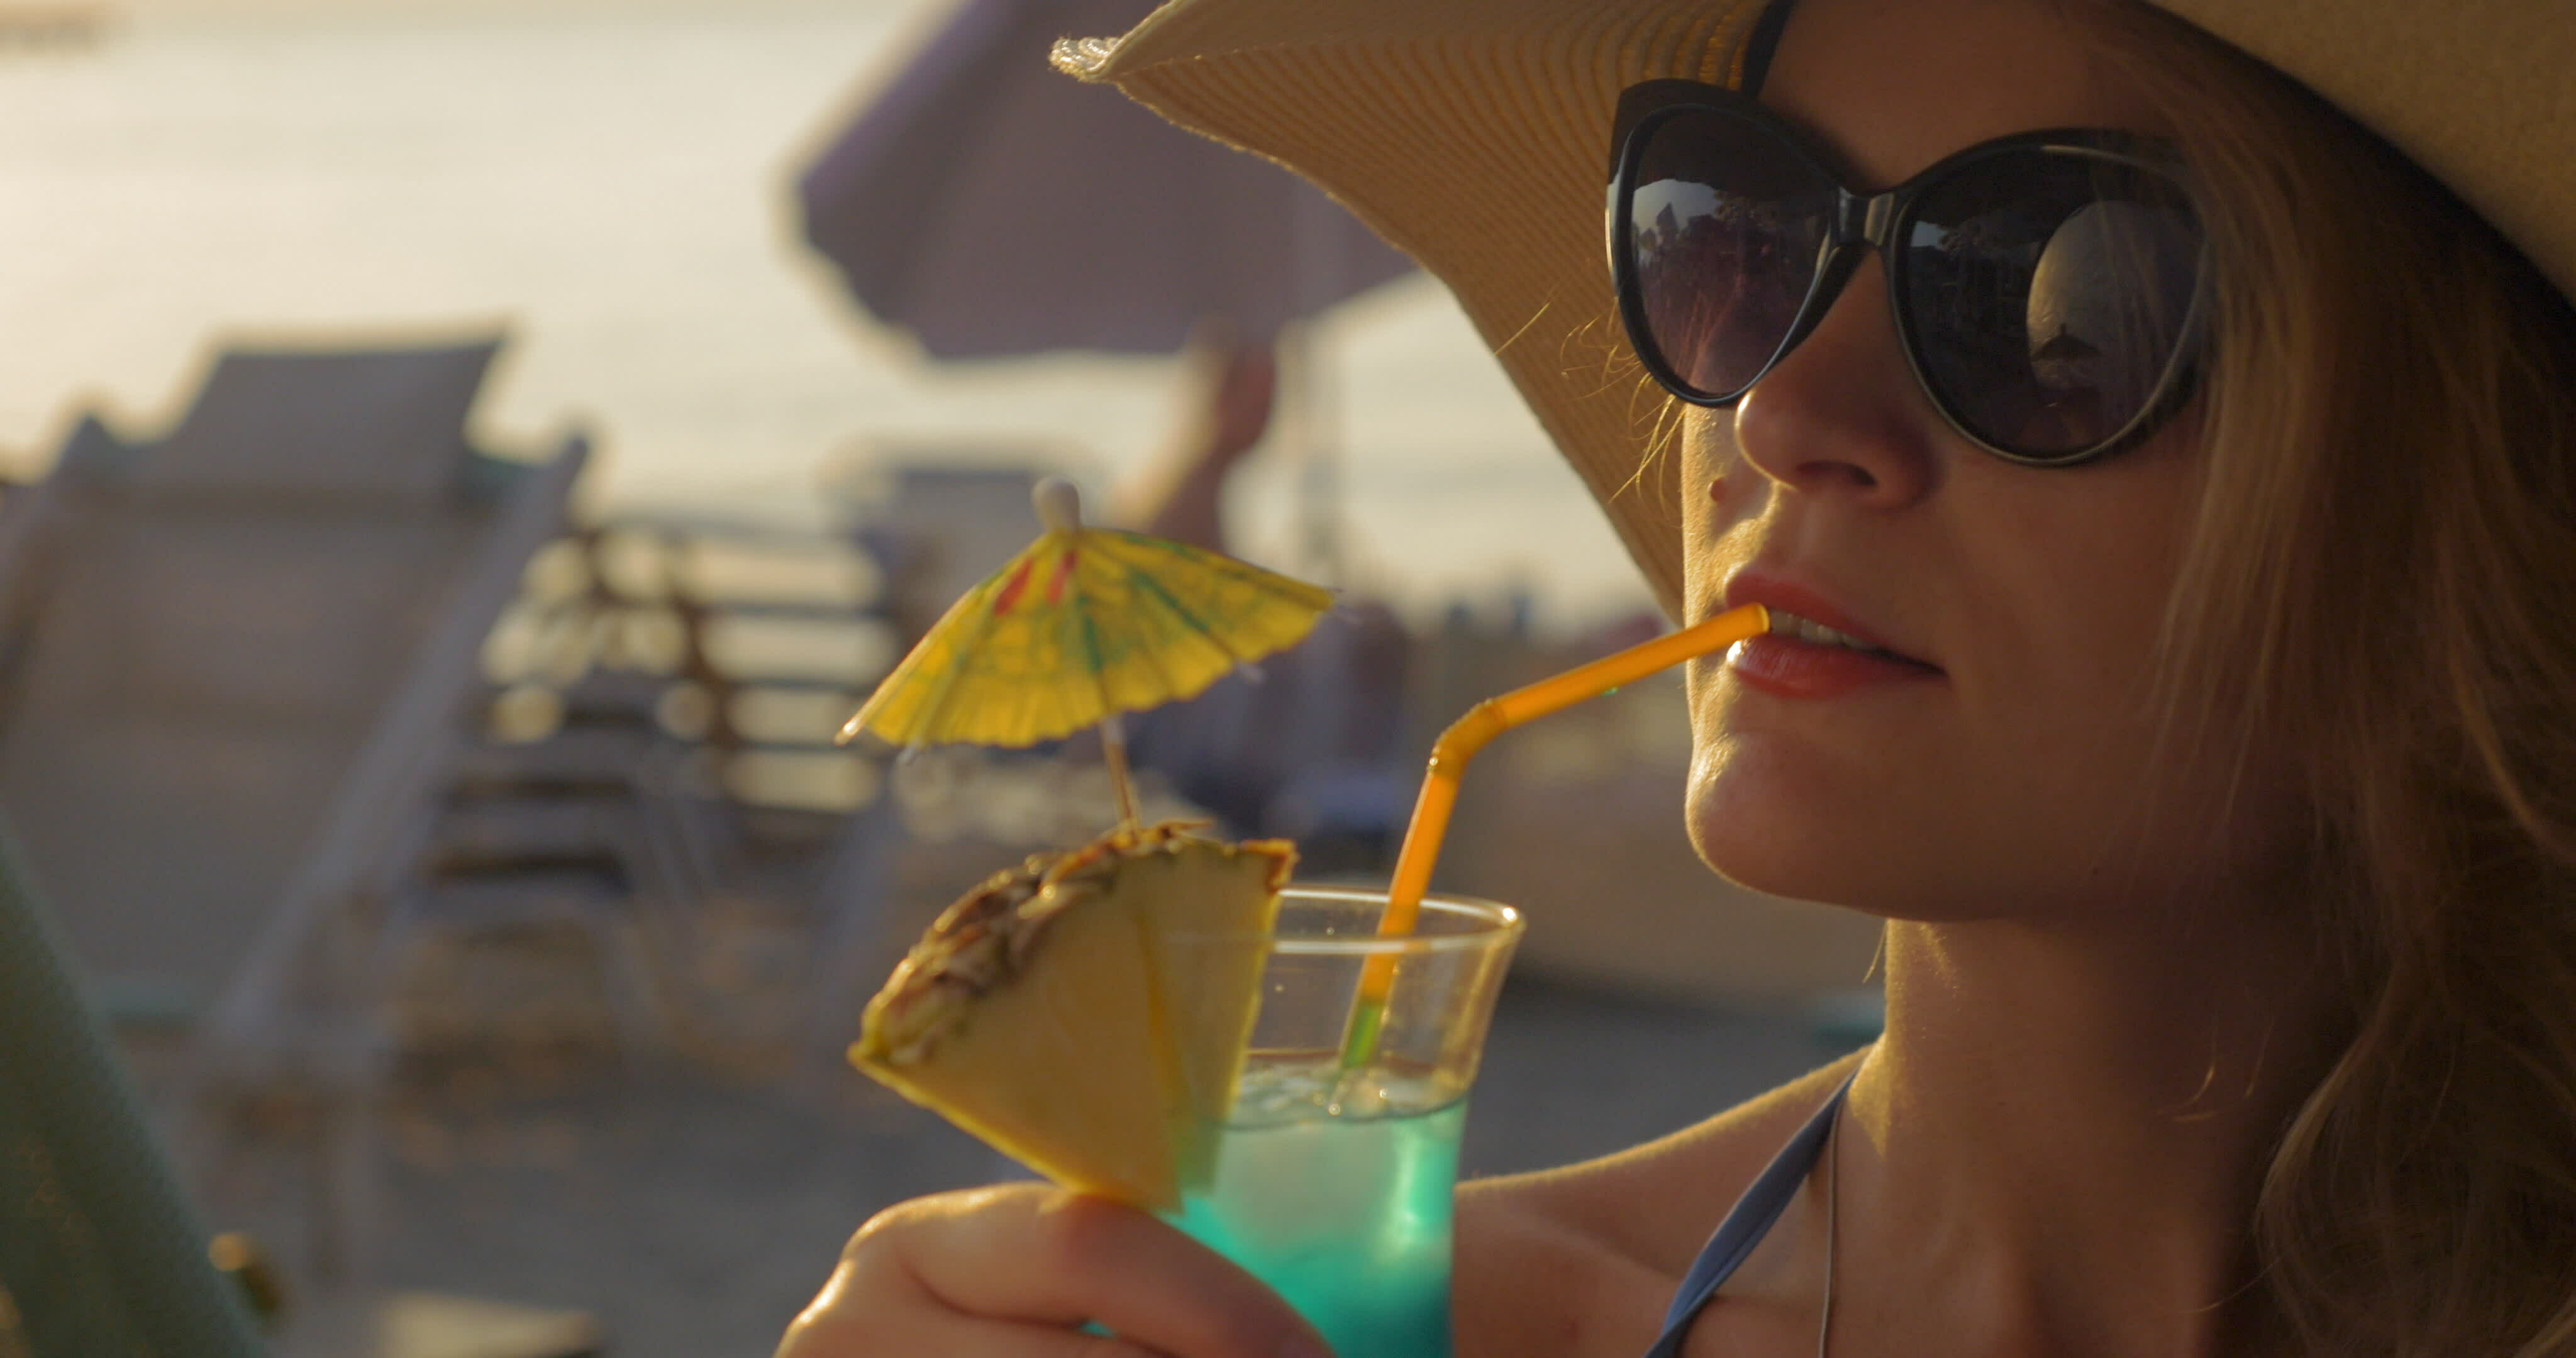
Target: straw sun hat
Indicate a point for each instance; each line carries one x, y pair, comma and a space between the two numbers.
1474, 135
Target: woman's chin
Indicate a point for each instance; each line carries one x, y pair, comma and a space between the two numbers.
1791, 837
1773, 870
1766, 847
1871, 859
1772, 825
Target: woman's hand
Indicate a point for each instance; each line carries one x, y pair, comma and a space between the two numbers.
1014, 1272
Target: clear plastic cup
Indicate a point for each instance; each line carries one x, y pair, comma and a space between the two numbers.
1333, 1185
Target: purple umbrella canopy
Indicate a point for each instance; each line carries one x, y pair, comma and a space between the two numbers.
993, 207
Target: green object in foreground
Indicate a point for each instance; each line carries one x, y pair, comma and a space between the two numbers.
100, 1253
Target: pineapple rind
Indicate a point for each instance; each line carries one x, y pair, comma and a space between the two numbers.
1028, 1056
1086, 1121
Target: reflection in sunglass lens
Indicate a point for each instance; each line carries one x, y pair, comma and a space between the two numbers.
1726, 229
2047, 294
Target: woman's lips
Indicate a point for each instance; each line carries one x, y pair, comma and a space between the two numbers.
1789, 668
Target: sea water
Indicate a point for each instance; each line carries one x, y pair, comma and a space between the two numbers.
1337, 1194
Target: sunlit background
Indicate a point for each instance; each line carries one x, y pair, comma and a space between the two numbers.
613, 181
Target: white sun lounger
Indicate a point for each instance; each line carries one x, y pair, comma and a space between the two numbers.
241, 664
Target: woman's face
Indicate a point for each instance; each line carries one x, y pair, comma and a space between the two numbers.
2014, 769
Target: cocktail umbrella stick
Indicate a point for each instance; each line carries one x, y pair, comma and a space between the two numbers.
1113, 752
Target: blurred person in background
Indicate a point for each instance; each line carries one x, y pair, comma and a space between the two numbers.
1305, 745
2177, 512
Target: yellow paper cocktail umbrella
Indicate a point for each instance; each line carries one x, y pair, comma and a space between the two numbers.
1086, 624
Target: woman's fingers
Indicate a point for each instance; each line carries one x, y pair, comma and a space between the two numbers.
952, 1274
1091, 1259
876, 1303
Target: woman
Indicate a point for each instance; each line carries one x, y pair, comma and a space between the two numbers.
2196, 700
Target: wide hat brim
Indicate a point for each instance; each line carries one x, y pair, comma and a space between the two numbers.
1474, 136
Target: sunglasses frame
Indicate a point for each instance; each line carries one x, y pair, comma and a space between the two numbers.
1872, 222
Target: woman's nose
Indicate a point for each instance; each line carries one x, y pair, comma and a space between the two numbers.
1842, 414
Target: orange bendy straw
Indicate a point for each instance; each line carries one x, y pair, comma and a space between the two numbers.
1458, 744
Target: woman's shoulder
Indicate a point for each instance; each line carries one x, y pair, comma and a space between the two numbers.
1656, 1203
1587, 1255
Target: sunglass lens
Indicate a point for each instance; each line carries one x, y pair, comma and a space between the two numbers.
2049, 293
1727, 225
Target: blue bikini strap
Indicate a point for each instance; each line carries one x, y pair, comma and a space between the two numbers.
1745, 1225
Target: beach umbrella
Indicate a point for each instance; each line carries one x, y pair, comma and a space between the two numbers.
1083, 626
992, 207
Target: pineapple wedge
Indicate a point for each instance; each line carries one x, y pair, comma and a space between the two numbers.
1073, 1013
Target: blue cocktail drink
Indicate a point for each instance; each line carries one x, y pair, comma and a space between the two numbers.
1342, 1208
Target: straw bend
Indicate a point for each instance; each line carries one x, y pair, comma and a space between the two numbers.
1470, 733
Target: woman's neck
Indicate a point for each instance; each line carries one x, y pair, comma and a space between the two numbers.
2060, 1139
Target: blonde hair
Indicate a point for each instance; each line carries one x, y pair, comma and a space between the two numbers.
2381, 585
